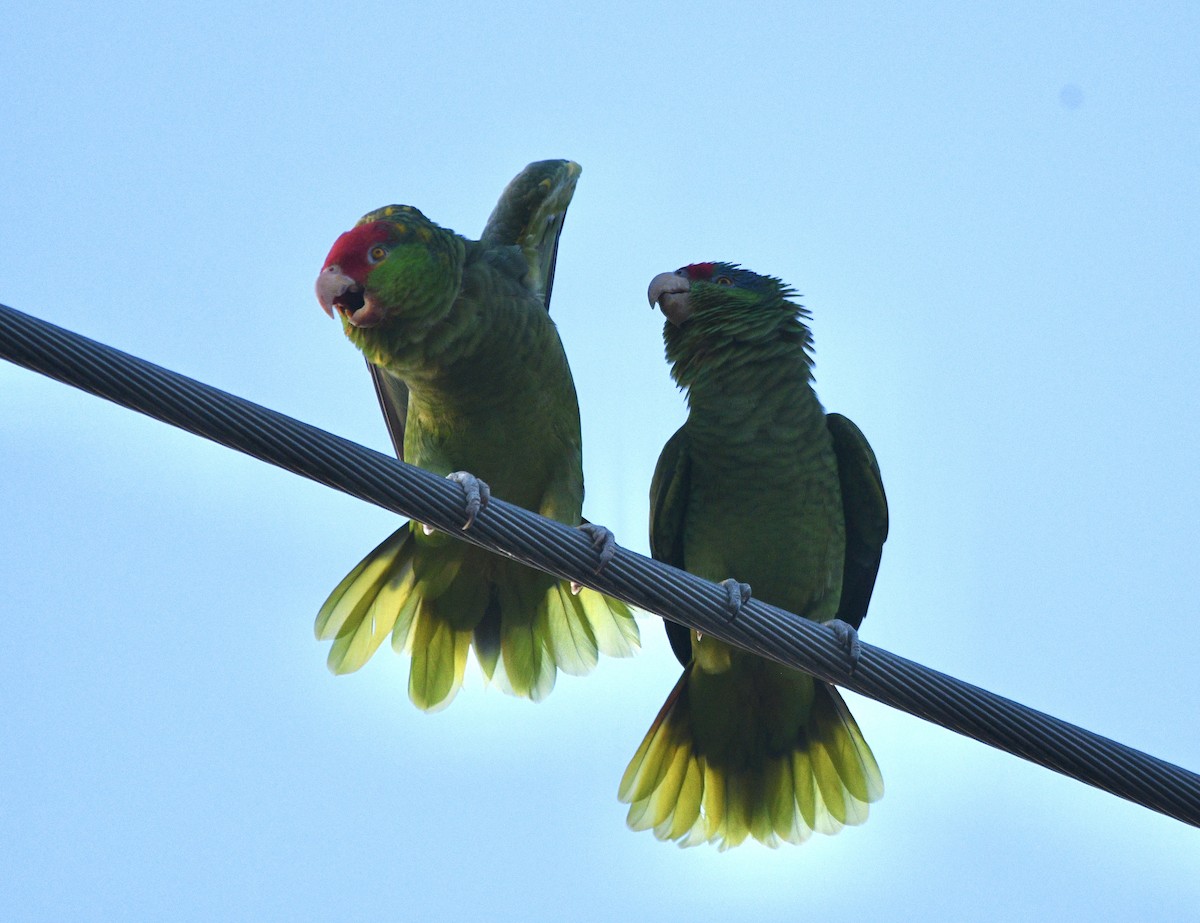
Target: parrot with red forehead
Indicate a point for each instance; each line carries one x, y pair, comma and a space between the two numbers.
471, 377
760, 484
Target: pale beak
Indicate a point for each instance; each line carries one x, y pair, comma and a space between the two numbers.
337, 291
669, 291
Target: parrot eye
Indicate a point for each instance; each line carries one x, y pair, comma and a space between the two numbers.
723, 280
375, 254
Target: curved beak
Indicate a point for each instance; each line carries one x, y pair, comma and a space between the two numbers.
337, 291
669, 292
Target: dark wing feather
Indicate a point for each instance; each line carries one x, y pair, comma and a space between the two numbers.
864, 506
668, 510
393, 401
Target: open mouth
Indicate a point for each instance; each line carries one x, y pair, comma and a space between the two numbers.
350, 301
361, 311
339, 293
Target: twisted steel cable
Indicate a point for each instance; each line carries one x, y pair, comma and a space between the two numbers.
567, 553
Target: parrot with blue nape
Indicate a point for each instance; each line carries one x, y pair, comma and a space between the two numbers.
761, 484
472, 377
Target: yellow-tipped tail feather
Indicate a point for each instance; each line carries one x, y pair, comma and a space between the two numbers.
438, 598
694, 792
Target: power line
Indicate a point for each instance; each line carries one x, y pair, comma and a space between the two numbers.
550, 546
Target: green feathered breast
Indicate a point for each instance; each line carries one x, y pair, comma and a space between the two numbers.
471, 376
759, 485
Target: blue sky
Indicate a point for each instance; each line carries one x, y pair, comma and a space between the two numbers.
992, 214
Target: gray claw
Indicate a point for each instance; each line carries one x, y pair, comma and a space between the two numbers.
848, 638
477, 494
738, 594
603, 541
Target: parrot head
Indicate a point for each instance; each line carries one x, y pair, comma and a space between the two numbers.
715, 308
394, 267
716, 288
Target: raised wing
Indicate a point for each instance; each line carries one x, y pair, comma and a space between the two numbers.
530, 216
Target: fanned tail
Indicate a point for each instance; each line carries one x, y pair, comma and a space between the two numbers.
694, 791
438, 597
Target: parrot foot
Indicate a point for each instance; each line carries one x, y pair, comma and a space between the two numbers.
603, 541
737, 595
848, 638
605, 544
477, 495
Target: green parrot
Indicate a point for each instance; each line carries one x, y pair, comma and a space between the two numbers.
760, 483
471, 376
